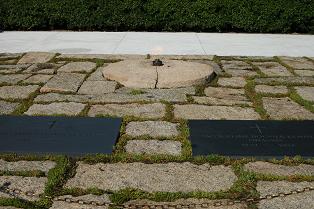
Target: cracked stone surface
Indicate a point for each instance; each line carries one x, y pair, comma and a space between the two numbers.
101, 199
7, 107
285, 108
280, 170
236, 82
272, 69
265, 89
36, 57
298, 62
37, 79
12, 79
78, 67
306, 92
152, 128
26, 184
155, 110
199, 204
43, 166
97, 87
174, 73
214, 112
154, 147
97, 75
62, 108
17, 92
293, 80
169, 177
304, 72
63, 82
300, 200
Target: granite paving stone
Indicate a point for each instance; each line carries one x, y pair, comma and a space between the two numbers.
43, 166
7, 107
155, 110
241, 73
17, 92
153, 147
235, 65
265, 89
37, 79
97, 87
285, 108
10, 55
168, 177
306, 92
225, 93
36, 57
35, 185
97, 75
13, 68
300, 200
280, 170
293, 80
64, 82
298, 62
236, 82
8, 207
152, 128
8, 62
62, 108
200, 112
89, 198
184, 203
218, 101
272, 69
76, 67
13, 78
304, 72
42, 68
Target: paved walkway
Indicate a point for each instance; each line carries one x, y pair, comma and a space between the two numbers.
152, 166
223, 44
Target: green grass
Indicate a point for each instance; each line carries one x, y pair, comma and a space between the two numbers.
137, 92
33, 173
298, 99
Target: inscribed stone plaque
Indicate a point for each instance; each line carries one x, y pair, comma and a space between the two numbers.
72, 136
260, 139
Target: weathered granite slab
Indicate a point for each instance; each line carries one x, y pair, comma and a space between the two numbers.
17, 92
306, 92
43, 166
62, 108
36, 57
78, 67
97, 87
7, 107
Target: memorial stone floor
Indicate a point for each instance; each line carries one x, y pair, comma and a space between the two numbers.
152, 166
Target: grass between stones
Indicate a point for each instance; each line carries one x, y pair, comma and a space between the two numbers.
298, 99
34, 173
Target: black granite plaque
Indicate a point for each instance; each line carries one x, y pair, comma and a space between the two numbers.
260, 139
72, 136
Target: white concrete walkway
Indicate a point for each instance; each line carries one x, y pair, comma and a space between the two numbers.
158, 43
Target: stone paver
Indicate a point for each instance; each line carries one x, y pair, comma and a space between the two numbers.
8, 207
26, 184
306, 92
62, 108
153, 147
241, 73
37, 79
169, 177
293, 80
280, 170
78, 67
197, 204
265, 89
218, 101
63, 82
235, 65
97, 87
36, 57
214, 112
12, 79
272, 69
224, 93
101, 199
7, 107
10, 55
285, 108
300, 200
97, 75
17, 92
237, 82
42, 68
13, 68
297, 62
155, 110
152, 128
304, 72
43, 166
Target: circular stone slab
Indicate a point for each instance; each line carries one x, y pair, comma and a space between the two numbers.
173, 74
